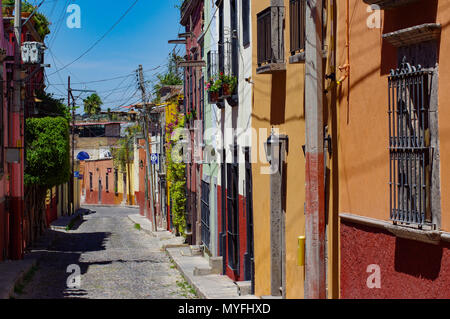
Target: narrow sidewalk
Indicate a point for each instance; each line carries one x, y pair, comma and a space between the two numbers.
13, 273
200, 273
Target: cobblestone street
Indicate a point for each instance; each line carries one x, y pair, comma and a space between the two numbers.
115, 258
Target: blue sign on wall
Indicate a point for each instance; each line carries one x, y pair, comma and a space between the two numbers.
155, 159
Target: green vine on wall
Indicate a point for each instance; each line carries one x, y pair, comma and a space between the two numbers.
176, 171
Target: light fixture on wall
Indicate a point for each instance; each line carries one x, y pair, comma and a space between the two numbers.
272, 145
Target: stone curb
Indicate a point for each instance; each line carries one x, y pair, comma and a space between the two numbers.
207, 287
116, 206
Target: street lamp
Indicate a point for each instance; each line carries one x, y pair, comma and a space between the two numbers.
272, 147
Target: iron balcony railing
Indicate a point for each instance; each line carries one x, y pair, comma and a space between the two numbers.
409, 143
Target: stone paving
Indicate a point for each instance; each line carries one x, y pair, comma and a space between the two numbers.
116, 260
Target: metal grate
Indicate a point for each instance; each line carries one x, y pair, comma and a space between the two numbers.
206, 232
233, 217
409, 143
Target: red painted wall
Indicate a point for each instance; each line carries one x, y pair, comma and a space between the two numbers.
242, 236
4, 231
409, 269
99, 170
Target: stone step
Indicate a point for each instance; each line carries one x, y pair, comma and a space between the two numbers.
244, 288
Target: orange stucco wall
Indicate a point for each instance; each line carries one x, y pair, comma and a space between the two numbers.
363, 118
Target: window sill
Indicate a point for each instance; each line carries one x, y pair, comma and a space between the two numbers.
297, 58
300, 57
417, 34
386, 4
432, 237
271, 68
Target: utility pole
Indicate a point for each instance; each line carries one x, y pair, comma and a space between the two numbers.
315, 279
145, 116
72, 178
71, 98
17, 142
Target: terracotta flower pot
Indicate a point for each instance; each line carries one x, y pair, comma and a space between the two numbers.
213, 96
226, 89
26, 14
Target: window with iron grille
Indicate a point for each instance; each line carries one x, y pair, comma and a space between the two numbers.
409, 143
297, 18
270, 45
107, 182
233, 216
90, 182
297, 15
206, 232
245, 22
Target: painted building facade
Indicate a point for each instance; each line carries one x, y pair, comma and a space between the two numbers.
234, 141
192, 19
279, 195
393, 181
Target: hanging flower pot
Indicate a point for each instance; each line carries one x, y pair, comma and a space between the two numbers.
26, 14
226, 89
213, 97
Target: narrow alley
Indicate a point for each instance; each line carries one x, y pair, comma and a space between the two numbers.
116, 259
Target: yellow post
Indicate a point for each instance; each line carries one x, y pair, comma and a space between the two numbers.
301, 251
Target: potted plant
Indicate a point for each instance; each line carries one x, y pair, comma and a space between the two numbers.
8, 7
213, 87
27, 9
41, 25
229, 83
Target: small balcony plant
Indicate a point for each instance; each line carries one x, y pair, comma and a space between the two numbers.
8, 7
229, 83
213, 87
27, 9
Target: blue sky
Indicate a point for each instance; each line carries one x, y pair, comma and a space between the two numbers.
140, 38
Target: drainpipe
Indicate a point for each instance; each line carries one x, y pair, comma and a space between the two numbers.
315, 272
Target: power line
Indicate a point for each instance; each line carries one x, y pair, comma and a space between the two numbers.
101, 38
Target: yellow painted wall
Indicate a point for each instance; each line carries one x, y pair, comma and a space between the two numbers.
278, 102
121, 187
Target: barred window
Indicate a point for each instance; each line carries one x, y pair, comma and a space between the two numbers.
206, 232
409, 143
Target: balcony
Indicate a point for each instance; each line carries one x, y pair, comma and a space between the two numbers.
270, 25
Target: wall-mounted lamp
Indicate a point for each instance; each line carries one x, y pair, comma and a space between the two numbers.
273, 144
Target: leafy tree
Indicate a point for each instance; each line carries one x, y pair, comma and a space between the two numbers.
93, 104
172, 76
49, 106
47, 151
